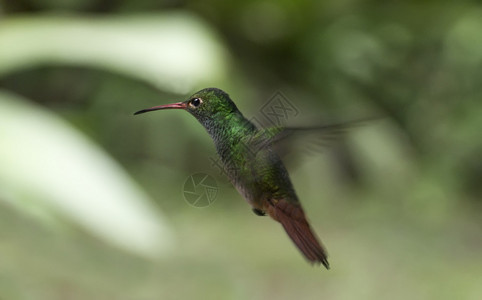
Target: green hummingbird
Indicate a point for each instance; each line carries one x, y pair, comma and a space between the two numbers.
253, 166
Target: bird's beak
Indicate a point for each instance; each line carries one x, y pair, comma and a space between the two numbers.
178, 105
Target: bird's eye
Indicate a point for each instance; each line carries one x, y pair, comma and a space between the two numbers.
196, 102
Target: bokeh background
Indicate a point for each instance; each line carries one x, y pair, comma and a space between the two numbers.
91, 200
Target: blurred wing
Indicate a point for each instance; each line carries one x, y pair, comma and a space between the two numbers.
313, 139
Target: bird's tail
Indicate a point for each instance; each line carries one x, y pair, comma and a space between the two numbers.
293, 219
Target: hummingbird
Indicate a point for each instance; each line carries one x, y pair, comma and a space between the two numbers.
253, 166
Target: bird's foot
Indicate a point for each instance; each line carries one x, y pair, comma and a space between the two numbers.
259, 212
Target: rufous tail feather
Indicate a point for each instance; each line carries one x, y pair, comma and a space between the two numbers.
293, 219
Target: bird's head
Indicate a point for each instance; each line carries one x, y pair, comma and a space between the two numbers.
207, 105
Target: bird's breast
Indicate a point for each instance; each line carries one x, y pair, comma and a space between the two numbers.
257, 176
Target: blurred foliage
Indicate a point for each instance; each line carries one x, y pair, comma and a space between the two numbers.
66, 174
397, 203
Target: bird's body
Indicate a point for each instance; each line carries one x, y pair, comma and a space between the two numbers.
252, 166
255, 174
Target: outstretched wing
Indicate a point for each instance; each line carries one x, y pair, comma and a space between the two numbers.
283, 138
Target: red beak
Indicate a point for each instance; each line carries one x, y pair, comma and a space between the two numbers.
178, 105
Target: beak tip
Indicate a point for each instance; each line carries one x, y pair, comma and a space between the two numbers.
179, 105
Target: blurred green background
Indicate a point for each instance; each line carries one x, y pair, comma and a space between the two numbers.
91, 203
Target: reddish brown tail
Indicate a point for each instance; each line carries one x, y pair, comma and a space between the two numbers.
293, 219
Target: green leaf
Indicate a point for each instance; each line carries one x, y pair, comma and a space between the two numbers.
49, 169
174, 52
